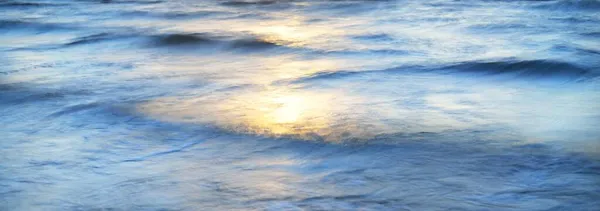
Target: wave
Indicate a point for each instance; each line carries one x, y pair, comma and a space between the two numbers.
367, 52
576, 49
181, 40
250, 3
252, 43
23, 24
527, 68
20, 93
158, 40
352, 7
92, 39
131, 1
74, 109
590, 5
591, 34
373, 37
589, 51
524, 69
26, 4
225, 42
499, 27
201, 38
173, 15
328, 75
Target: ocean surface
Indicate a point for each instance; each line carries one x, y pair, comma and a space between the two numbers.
300, 105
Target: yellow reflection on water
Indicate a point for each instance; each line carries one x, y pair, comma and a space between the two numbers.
273, 111
293, 30
290, 110
280, 111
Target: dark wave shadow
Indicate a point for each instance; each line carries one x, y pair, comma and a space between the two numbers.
512, 68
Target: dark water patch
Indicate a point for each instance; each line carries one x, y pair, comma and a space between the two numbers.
74, 108
175, 39
500, 28
592, 34
582, 50
268, 5
389, 52
374, 37
130, 1
370, 52
343, 7
222, 42
19, 25
46, 163
332, 75
94, 39
6, 192
590, 51
252, 44
161, 153
20, 93
527, 68
12, 4
19, 4
12, 95
173, 14
225, 42
326, 76
250, 3
454, 5
182, 39
580, 5
34, 97
576, 19
255, 16
14, 23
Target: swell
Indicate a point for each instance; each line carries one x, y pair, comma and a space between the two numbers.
591, 34
95, 38
23, 24
131, 1
518, 69
581, 5
180, 40
16, 94
373, 37
367, 52
173, 14
10, 4
228, 42
74, 109
328, 75
250, 3
523, 68
252, 43
502, 28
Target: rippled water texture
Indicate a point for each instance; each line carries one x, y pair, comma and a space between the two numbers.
299, 105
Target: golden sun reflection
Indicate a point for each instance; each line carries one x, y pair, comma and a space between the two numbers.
279, 112
271, 111
290, 110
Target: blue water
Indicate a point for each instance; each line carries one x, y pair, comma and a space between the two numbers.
299, 105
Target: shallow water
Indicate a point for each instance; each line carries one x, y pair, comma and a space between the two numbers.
299, 105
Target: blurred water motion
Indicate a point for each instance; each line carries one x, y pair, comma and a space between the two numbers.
299, 105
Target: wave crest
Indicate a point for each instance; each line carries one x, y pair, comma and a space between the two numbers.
533, 68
